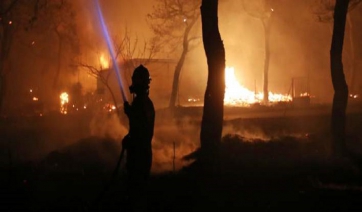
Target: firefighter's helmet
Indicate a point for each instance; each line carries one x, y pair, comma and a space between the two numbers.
140, 80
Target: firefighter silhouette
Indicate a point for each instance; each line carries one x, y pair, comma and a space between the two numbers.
137, 143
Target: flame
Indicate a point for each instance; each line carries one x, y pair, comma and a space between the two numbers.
64, 99
104, 63
236, 94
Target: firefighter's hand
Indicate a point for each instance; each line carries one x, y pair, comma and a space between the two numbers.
126, 108
125, 141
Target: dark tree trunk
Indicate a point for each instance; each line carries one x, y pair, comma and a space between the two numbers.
180, 63
6, 41
338, 119
2, 92
176, 78
212, 119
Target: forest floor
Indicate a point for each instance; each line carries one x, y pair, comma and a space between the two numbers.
288, 165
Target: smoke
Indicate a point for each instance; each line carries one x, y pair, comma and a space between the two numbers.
107, 125
173, 139
253, 133
248, 134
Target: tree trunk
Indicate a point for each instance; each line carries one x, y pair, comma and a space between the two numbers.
180, 63
2, 92
212, 119
338, 119
176, 78
6, 41
266, 26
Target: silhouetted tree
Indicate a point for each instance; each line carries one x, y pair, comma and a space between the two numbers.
212, 118
127, 51
323, 11
56, 21
261, 9
132, 53
340, 98
22, 20
172, 21
15, 15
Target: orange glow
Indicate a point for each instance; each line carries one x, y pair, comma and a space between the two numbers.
104, 63
64, 99
354, 96
238, 95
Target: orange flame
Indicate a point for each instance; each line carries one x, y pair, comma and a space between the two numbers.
103, 62
64, 99
238, 95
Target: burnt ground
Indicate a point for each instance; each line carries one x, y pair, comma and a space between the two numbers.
293, 169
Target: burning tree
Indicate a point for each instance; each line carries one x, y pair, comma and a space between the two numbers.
172, 21
212, 119
324, 10
261, 9
339, 83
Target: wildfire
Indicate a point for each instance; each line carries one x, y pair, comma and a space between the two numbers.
64, 99
103, 62
236, 94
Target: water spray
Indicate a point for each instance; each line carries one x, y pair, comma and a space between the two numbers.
110, 48
119, 79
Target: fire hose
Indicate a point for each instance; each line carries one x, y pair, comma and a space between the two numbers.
111, 182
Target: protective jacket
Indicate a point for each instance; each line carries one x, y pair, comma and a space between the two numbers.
141, 115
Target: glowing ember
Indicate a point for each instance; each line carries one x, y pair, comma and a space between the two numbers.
64, 99
35, 98
104, 63
238, 95
109, 107
354, 96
